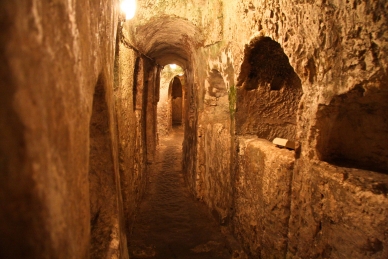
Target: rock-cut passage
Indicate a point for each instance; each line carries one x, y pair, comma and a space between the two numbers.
170, 222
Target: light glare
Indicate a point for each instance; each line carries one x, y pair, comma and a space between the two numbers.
129, 8
173, 66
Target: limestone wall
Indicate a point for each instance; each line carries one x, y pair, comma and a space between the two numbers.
129, 74
269, 92
164, 107
214, 181
73, 151
321, 80
262, 197
337, 212
327, 91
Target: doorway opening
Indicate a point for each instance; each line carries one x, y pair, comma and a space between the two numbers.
171, 105
176, 102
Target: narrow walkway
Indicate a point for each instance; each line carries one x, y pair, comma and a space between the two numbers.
170, 222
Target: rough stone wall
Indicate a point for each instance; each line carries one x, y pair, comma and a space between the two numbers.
151, 101
338, 50
164, 106
268, 92
73, 147
338, 212
262, 197
107, 231
51, 57
334, 48
190, 146
52, 54
132, 156
214, 182
357, 130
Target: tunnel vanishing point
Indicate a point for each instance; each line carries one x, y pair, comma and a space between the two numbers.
85, 96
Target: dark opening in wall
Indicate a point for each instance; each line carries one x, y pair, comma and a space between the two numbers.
353, 130
268, 92
265, 63
176, 88
103, 205
176, 95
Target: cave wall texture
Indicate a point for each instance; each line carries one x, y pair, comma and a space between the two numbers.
73, 147
78, 122
310, 71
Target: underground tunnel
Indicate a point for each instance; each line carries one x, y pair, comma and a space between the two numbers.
146, 129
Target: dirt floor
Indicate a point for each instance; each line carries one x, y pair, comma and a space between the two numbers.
171, 223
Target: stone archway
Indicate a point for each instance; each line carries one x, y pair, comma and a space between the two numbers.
171, 102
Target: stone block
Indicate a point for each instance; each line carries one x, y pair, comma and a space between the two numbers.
284, 143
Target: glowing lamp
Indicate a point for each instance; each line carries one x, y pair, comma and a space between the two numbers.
129, 8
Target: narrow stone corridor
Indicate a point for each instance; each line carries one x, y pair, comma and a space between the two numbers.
282, 151
170, 222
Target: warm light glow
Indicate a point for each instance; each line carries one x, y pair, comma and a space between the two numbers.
129, 8
172, 66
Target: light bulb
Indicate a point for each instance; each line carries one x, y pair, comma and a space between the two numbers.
129, 8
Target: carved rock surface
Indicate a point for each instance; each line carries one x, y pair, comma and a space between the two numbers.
310, 71
263, 197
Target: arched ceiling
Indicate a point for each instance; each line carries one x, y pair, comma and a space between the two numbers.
168, 39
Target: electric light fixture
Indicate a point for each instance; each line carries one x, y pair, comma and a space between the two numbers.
129, 8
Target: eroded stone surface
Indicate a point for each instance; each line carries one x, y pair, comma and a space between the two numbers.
52, 54
263, 197
337, 209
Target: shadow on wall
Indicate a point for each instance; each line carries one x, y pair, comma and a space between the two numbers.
216, 86
353, 130
135, 83
102, 186
216, 93
216, 98
268, 92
